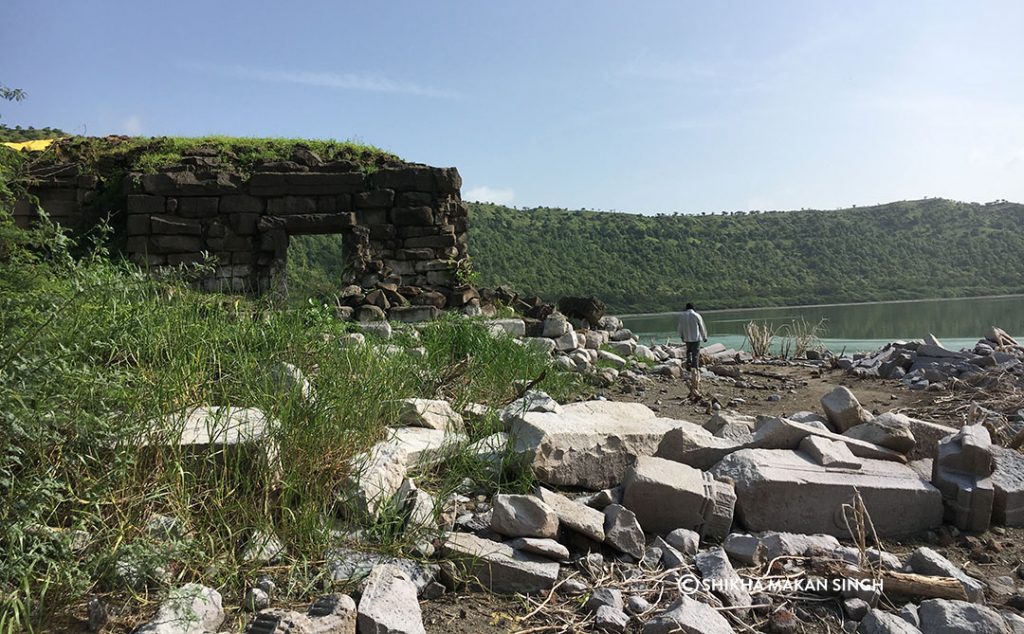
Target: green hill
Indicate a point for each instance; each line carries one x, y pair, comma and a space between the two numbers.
902, 250
17, 134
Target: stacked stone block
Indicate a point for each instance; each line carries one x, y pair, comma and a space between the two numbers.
402, 225
62, 192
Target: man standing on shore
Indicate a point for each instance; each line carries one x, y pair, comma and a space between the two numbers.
691, 329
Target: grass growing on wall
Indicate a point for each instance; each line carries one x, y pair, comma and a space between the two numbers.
149, 154
91, 352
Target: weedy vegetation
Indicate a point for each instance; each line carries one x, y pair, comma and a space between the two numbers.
93, 351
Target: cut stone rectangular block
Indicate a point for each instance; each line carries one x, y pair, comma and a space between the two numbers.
785, 491
589, 444
961, 472
667, 495
1008, 481
497, 567
829, 453
227, 433
513, 327
969, 450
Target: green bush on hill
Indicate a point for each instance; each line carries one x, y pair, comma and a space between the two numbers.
903, 250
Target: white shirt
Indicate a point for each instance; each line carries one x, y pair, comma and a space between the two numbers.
691, 326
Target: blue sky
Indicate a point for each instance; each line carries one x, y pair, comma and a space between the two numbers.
643, 107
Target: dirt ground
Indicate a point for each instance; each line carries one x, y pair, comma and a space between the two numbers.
777, 390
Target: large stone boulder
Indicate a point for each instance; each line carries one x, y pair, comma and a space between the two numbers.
589, 309
786, 491
588, 445
667, 495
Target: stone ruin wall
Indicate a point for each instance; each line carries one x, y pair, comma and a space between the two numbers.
402, 225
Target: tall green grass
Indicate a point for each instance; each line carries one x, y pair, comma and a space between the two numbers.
92, 351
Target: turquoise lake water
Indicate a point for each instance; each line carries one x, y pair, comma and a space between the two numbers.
957, 323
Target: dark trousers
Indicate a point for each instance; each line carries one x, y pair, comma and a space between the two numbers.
692, 355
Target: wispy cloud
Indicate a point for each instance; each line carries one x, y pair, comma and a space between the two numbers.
132, 125
363, 82
485, 194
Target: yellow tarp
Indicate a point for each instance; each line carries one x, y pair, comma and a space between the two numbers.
32, 146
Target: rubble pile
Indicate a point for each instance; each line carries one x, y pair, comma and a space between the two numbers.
661, 524
643, 523
928, 365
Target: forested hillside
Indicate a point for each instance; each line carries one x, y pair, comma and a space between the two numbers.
903, 250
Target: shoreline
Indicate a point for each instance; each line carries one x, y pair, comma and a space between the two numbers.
786, 307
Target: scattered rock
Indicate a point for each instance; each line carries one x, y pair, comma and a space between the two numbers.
523, 516
959, 617
879, 622
685, 540
610, 597
715, 568
608, 619
622, 531
637, 605
497, 567
432, 414
747, 550
289, 379
255, 599
376, 476
190, 609
575, 516
843, 410
389, 603
544, 547
925, 561
688, 616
